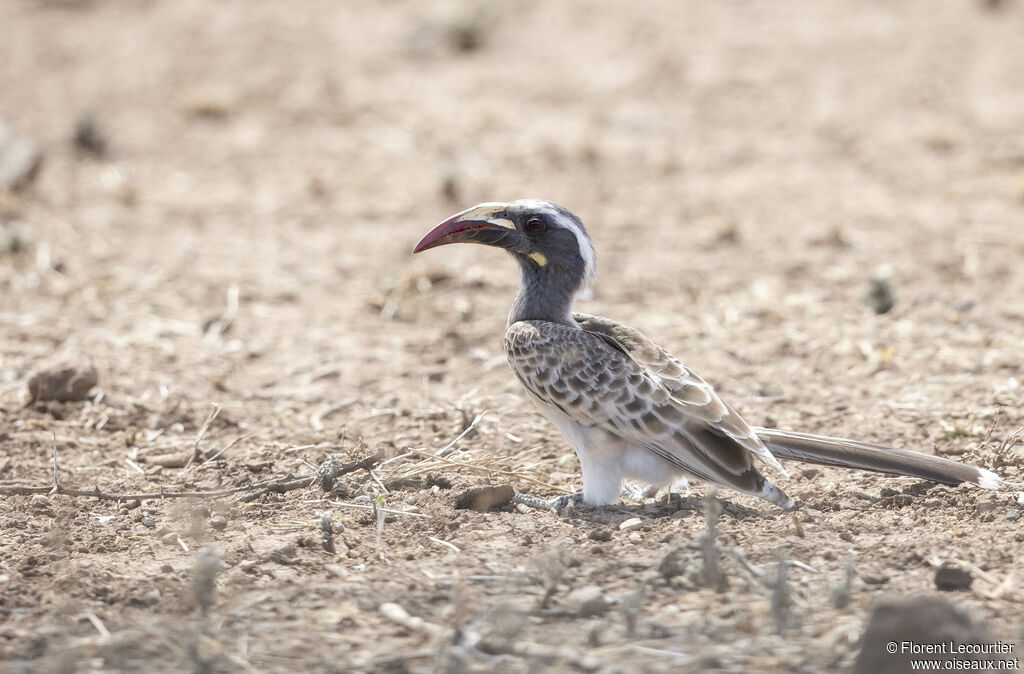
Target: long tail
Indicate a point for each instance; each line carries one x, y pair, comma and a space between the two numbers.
866, 456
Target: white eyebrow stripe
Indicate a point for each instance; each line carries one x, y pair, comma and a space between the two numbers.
587, 253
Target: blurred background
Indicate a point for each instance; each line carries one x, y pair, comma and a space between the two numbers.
818, 205
298, 152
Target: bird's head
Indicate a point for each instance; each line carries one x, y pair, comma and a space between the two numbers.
549, 242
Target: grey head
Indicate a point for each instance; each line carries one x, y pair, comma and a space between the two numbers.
555, 254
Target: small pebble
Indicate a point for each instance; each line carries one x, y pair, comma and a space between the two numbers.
631, 523
602, 534
169, 539
218, 523
336, 570
362, 498
148, 522
587, 601
1013, 514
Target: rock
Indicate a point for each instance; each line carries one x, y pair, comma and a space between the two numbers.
952, 579
603, 534
284, 555
587, 601
631, 523
19, 160
218, 523
485, 498
62, 384
1013, 514
900, 623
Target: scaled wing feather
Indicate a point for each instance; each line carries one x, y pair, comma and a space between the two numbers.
610, 376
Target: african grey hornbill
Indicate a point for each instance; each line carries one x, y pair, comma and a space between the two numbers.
628, 407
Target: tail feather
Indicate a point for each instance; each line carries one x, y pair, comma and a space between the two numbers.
866, 456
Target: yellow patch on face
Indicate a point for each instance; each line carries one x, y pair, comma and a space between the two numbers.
539, 258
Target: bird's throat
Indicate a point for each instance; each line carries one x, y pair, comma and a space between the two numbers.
542, 298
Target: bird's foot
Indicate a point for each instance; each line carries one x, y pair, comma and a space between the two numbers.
556, 503
641, 494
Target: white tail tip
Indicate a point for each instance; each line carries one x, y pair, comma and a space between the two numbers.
988, 480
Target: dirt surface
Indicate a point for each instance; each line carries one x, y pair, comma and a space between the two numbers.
224, 215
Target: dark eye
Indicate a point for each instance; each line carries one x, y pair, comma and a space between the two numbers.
533, 225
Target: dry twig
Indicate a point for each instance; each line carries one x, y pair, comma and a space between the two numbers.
199, 438
324, 476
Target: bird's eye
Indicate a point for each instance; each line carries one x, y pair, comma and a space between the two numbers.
533, 225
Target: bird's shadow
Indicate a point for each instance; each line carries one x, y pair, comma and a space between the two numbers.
620, 512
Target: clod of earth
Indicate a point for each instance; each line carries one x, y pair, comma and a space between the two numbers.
952, 579
880, 295
486, 498
62, 384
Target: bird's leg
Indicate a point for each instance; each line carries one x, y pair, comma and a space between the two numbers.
635, 493
556, 503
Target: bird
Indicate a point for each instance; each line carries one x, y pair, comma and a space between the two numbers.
629, 409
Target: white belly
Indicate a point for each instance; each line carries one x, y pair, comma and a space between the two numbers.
606, 459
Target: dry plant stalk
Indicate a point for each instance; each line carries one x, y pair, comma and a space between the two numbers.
709, 545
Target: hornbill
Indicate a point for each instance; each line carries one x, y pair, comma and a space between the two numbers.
629, 408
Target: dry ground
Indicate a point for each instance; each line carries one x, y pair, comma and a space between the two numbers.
744, 169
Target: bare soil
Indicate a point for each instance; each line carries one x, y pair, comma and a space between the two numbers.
234, 227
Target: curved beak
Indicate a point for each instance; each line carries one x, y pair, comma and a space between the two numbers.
488, 224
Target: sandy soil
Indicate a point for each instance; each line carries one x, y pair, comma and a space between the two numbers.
745, 169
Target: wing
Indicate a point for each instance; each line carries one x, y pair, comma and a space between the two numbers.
609, 376
695, 395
